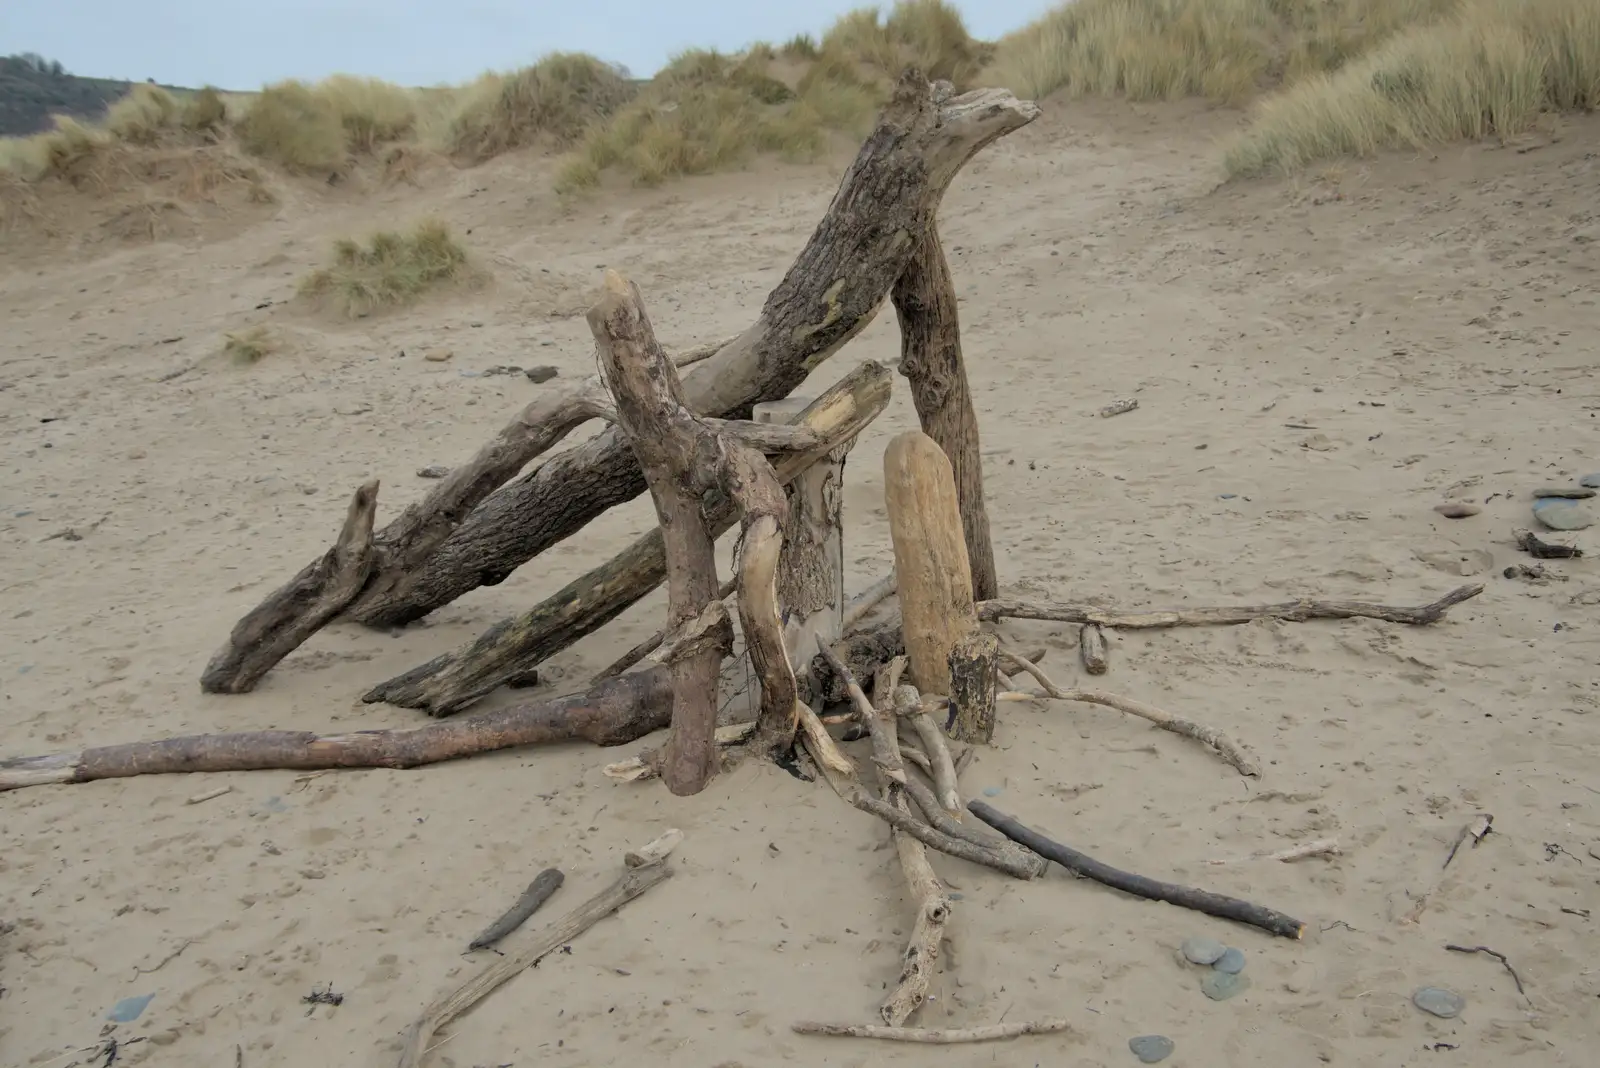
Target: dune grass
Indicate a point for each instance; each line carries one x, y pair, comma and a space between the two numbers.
556, 99
1493, 69
390, 270
250, 346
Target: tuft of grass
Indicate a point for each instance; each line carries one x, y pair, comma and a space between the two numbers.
928, 34
142, 116
250, 346
1492, 70
296, 127
391, 269
372, 112
557, 98
1224, 50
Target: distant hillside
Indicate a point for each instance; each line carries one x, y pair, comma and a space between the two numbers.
33, 88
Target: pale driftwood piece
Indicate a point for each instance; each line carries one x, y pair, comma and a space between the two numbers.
652, 643
1219, 742
1092, 648
811, 570
647, 765
362, 564
930, 358
890, 193
451, 682
298, 609
654, 851
1219, 905
921, 954
613, 713
209, 795
836, 768
974, 681
930, 556
864, 602
711, 629
1320, 847
544, 885
908, 703
1289, 611
633, 881
934, 1036
1017, 863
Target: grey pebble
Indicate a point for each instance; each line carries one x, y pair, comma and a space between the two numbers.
1558, 514
1591, 481
433, 471
1445, 1004
1231, 961
1220, 986
129, 1009
542, 373
991, 791
1563, 493
1151, 1049
1200, 950
1457, 510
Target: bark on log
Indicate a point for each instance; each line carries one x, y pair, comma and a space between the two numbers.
974, 680
811, 570
863, 652
930, 358
449, 683
889, 195
614, 713
1092, 648
930, 556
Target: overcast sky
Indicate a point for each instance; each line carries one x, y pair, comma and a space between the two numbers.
241, 44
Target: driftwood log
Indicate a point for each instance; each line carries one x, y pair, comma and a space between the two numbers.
613, 713
930, 556
930, 358
512, 647
888, 196
684, 458
1228, 615
974, 680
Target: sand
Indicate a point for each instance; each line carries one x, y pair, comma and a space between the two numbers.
1318, 363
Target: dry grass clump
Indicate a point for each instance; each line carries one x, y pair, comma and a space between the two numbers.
1492, 70
250, 346
296, 127
1221, 49
557, 99
391, 269
708, 111
81, 153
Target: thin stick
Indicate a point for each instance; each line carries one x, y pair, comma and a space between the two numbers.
629, 885
943, 769
652, 643
1501, 957
936, 1036
823, 750
533, 898
940, 820
1224, 746
1228, 908
1019, 865
1321, 847
1291, 611
864, 602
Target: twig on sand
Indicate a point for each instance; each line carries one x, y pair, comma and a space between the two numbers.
533, 898
1290, 611
938, 1036
1228, 908
630, 884
1224, 746
1320, 847
1477, 830
1501, 957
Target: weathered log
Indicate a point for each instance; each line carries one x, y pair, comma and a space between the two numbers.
974, 680
451, 682
930, 556
1092, 648
930, 358
616, 712
863, 652
888, 196
811, 571
1227, 615
363, 564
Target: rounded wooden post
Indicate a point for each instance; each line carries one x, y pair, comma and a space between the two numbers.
930, 557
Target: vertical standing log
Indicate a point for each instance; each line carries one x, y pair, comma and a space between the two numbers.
974, 679
811, 570
930, 358
930, 556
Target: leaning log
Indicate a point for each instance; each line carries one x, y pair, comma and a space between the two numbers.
930, 358
451, 682
889, 195
615, 712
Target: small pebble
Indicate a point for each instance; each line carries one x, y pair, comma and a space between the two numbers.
1220, 986
1590, 481
991, 791
1557, 514
1445, 1004
1457, 510
542, 373
433, 471
438, 356
1563, 493
1227, 496
129, 1009
1231, 961
1151, 1049
1200, 950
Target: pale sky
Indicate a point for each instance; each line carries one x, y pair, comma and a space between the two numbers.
241, 44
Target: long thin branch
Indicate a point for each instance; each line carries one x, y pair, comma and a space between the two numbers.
934, 1036
1224, 746
1291, 611
1018, 865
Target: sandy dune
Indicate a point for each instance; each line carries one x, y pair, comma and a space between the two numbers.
1317, 364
